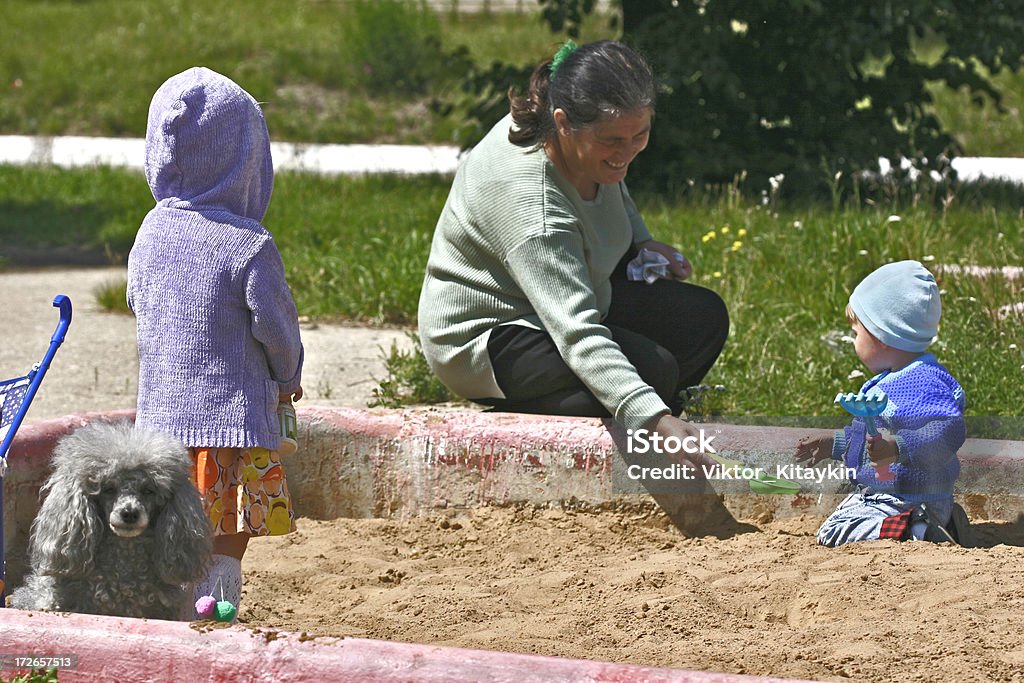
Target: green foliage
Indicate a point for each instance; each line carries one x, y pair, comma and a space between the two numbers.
481, 98
789, 86
35, 676
815, 91
410, 380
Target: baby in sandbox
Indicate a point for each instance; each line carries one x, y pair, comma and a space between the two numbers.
904, 475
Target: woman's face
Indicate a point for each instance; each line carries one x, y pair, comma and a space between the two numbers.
601, 153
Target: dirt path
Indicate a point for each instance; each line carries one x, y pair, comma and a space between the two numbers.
96, 369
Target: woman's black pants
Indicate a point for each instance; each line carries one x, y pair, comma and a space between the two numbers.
672, 332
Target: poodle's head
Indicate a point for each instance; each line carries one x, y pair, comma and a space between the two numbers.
129, 475
115, 478
129, 501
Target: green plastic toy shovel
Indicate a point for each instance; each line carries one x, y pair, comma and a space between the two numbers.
762, 483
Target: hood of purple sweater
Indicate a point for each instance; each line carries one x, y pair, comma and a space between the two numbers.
207, 146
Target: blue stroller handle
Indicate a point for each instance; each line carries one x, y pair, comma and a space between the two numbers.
64, 303
35, 378
36, 374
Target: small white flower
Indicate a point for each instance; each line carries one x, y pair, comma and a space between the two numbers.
1013, 347
798, 225
893, 219
862, 252
929, 258
856, 374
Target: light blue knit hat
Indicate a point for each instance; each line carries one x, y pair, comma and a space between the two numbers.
899, 304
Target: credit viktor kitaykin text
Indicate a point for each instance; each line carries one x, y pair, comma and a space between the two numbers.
679, 471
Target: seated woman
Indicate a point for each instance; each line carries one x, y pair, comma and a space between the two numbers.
526, 306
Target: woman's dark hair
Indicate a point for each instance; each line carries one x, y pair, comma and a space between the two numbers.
597, 80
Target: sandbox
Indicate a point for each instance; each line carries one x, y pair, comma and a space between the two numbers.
515, 534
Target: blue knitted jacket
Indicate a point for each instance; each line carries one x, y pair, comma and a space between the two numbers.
218, 332
925, 415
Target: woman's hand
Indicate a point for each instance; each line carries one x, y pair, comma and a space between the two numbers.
678, 265
667, 426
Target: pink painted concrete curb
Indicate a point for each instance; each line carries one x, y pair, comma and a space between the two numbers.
114, 649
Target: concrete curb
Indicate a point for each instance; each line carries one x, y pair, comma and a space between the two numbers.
115, 649
380, 463
80, 151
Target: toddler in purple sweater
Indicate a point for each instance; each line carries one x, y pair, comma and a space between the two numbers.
217, 328
904, 475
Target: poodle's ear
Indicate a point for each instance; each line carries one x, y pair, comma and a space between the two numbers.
66, 532
183, 536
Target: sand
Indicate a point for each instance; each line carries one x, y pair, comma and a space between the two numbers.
622, 585
613, 584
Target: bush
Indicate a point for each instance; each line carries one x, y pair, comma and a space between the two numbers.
811, 90
814, 91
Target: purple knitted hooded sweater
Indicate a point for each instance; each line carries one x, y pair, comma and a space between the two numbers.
217, 328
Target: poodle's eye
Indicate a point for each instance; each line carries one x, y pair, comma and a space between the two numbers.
148, 489
108, 488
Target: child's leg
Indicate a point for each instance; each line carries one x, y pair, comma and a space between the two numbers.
858, 518
223, 580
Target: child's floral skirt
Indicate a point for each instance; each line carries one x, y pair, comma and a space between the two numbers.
243, 490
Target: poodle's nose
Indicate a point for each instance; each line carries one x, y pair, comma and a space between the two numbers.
128, 520
129, 515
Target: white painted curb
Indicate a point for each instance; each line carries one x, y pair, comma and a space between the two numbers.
79, 151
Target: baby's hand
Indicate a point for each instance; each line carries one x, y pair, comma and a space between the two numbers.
811, 450
882, 449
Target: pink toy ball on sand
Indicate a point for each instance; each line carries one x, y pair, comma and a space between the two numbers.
205, 606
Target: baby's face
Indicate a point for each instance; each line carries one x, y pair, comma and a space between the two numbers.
873, 353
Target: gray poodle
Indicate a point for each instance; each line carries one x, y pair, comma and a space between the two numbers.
122, 530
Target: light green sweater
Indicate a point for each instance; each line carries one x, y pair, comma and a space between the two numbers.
516, 244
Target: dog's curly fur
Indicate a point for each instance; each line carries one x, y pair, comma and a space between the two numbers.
122, 530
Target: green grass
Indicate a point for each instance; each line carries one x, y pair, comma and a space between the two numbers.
984, 131
324, 71
87, 214
788, 281
90, 68
356, 248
